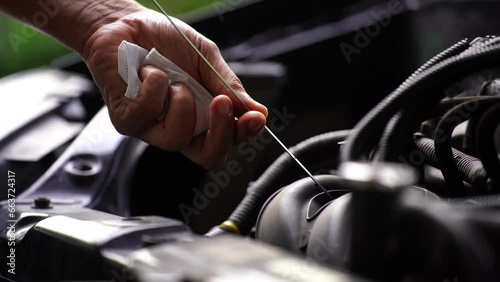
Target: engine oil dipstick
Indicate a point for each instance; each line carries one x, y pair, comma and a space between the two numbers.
238, 97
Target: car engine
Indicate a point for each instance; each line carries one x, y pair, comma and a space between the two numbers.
404, 139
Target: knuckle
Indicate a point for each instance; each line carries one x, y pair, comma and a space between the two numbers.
157, 77
154, 81
235, 82
210, 46
183, 98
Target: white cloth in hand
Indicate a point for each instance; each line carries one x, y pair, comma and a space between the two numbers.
132, 57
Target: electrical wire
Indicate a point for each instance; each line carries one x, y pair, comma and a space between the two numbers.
486, 146
470, 168
397, 121
369, 129
442, 139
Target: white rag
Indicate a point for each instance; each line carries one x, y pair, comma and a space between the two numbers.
132, 57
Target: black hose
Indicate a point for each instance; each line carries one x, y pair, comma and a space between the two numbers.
478, 202
446, 105
400, 137
218, 231
469, 143
368, 130
438, 112
489, 88
470, 168
429, 123
313, 149
485, 144
454, 50
383, 147
395, 123
442, 140
398, 133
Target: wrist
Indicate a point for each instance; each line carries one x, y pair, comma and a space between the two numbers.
101, 14
70, 22
81, 19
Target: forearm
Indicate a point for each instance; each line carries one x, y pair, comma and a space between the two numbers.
71, 22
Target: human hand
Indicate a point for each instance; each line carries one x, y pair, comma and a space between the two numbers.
139, 117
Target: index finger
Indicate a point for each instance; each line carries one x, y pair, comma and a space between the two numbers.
242, 102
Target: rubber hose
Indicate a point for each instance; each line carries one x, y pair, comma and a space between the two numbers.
469, 142
401, 124
480, 202
470, 168
217, 231
399, 135
447, 104
454, 50
442, 140
368, 130
408, 123
393, 126
469, 145
485, 144
383, 148
245, 214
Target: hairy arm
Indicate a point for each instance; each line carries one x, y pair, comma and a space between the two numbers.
70, 22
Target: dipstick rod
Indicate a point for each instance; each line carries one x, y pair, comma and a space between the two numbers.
238, 96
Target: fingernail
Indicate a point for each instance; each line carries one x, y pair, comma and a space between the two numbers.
224, 109
255, 126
